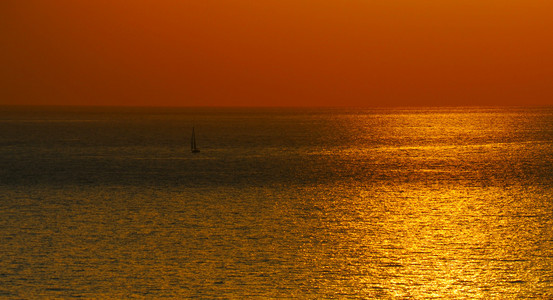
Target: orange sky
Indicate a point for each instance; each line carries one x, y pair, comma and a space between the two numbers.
277, 52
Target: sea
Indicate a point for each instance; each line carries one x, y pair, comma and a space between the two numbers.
280, 203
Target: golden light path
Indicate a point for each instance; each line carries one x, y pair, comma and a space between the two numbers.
445, 222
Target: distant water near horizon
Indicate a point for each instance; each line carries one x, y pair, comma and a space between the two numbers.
308, 203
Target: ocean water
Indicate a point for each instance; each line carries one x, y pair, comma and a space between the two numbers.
325, 203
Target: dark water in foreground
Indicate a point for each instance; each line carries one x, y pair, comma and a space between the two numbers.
280, 203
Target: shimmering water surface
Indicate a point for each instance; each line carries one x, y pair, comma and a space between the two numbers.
280, 203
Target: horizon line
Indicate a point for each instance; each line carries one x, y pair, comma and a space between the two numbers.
276, 106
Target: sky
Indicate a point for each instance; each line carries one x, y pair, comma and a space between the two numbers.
276, 52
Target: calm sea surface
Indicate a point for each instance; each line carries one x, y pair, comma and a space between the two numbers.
279, 203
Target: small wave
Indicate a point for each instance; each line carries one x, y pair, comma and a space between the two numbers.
517, 281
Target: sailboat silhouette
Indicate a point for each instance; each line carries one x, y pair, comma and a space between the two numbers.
193, 147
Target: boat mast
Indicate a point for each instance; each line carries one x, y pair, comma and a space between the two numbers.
193, 140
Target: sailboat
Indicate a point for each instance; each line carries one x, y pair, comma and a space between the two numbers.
193, 143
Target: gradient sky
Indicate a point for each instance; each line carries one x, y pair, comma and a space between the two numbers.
276, 52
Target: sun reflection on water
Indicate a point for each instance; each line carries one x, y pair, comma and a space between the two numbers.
413, 242
439, 212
